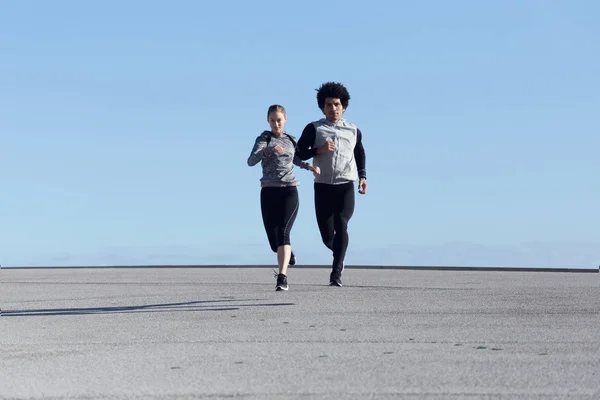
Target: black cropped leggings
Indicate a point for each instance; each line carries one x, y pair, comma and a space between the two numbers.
334, 206
279, 207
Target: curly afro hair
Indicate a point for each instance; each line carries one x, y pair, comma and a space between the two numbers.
335, 90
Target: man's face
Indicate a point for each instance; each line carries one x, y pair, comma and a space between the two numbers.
333, 109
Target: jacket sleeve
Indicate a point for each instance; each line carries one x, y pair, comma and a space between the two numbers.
298, 161
360, 156
305, 150
259, 151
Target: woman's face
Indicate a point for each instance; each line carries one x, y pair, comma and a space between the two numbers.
277, 122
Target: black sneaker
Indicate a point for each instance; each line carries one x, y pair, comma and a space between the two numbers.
292, 259
335, 279
281, 282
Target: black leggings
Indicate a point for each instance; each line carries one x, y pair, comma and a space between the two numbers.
334, 206
279, 207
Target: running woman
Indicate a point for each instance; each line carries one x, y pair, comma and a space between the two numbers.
336, 148
277, 152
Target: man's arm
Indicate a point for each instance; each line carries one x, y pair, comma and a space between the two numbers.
360, 156
299, 163
305, 149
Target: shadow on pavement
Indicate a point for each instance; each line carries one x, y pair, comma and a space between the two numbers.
207, 305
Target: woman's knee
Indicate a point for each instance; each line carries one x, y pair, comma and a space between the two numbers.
283, 237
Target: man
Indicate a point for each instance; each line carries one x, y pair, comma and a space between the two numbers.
336, 148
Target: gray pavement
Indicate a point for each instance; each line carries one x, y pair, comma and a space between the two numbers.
177, 333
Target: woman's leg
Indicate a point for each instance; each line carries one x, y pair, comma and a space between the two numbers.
290, 203
268, 207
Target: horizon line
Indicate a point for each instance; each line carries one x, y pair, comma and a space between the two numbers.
323, 266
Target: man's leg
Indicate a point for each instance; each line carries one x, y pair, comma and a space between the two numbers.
324, 212
344, 209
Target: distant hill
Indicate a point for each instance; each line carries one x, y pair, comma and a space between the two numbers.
536, 254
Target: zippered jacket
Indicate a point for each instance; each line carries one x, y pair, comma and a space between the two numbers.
346, 163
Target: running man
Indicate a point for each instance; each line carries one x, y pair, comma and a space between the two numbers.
337, 150
276, 150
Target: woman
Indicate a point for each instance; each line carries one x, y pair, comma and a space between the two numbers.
276, 150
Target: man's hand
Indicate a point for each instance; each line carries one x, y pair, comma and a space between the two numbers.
362, 186
326, 148
315, 170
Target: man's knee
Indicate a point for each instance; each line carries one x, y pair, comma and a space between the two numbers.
327, 239
340, 224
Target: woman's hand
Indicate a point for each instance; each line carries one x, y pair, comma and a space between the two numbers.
277, 149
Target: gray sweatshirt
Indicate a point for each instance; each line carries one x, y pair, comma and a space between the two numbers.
278, 169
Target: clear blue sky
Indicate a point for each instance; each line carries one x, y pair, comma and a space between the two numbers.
125, 127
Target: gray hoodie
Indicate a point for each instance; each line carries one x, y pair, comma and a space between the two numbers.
278, 170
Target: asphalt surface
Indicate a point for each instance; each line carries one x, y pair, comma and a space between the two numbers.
225, 333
